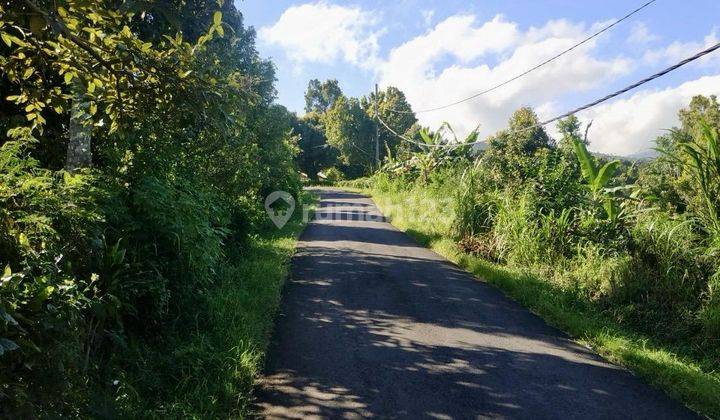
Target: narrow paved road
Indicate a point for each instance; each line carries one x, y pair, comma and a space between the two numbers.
373, 325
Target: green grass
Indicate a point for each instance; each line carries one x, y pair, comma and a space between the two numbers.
428, 216
207, 368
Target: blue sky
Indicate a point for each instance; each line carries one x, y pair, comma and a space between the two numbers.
440, 51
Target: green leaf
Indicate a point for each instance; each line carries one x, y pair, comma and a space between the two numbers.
68, 77
425, 136
610, 209
217, 18
606, 172
45, 294
28, 72
18, 41
23, 239
587, 163
6, 38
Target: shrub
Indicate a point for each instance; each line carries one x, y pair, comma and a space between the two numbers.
334, 175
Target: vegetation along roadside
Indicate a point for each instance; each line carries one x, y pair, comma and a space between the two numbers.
139, 273
623, 256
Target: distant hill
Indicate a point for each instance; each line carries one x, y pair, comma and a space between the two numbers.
644, 155
638, 156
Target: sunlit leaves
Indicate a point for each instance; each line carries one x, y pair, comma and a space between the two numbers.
6, 39
95, 48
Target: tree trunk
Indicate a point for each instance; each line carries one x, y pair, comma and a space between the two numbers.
79, 154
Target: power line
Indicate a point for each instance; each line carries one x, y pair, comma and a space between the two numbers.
530, 70
407, 139
584, 107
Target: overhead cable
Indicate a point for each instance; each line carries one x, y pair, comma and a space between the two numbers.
581, 108
530, 70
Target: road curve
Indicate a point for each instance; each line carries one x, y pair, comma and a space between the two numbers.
373, 325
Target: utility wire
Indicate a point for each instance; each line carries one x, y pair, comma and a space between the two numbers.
582, 108
530, 70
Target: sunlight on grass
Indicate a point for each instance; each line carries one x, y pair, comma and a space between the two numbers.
659, 365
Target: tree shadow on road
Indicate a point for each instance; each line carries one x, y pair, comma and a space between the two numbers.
385, 329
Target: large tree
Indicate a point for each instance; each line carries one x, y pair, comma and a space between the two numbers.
512, 153
315, 154
351, 131
320, 96
185, 142
395, 111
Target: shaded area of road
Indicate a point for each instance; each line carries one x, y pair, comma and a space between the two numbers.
373, 325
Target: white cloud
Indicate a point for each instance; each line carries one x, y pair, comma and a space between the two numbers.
631, 125
461, 56
641, 35
412, 68
681, 50
323, 33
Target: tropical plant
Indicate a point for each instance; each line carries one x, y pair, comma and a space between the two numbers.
598, 178
701, 159
434, 150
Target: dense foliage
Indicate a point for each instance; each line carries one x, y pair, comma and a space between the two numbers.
338, 133
639, 240
622, 255
110, 246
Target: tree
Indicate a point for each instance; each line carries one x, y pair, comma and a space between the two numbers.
395, 111
185, 143
570, 130
666, 180
702, 110
511, 153
320, 97
349, 129
315, 153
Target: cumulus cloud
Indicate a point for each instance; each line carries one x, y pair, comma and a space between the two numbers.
472, 45
640, 35
631, 125
677, 51
461, 55
323, 33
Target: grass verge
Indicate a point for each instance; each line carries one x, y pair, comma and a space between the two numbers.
207, 368
427, 218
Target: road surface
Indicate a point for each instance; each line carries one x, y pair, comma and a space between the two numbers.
374, 325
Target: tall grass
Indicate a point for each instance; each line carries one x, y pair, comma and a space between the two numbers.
208, 369
624, 306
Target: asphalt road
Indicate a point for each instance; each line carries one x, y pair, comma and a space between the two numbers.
373, 325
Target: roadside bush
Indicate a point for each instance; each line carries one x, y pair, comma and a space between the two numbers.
334, 175
571, 223
105, 262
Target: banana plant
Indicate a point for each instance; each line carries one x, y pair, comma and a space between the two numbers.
597, 178
436, 149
